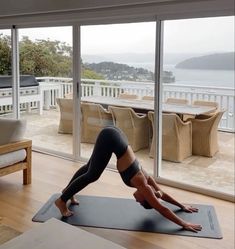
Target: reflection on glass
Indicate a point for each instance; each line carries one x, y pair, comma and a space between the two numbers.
46, 86
200, 55
6, 109
118, 84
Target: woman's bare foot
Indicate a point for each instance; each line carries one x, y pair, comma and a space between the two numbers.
63, 208
73, 200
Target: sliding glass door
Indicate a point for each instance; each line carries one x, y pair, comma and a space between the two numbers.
45, 61
6, 96
198, 106
117, 85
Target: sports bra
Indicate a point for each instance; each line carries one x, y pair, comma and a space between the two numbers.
128, 173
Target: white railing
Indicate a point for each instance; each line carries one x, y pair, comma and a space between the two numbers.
53, 87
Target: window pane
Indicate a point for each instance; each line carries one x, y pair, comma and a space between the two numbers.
46, 78
117, 70
200, 54
6, 109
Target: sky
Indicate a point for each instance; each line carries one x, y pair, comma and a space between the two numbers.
202, 35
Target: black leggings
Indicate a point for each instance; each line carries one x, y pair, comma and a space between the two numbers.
110, 140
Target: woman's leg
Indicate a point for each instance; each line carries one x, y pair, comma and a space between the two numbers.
78, 173
110, 140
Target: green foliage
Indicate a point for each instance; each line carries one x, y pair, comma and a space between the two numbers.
45, 58
89, 74
41, 58
5, 55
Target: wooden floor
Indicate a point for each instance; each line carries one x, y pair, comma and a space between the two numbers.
19, 203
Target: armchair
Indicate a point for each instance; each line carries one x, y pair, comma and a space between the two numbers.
66, 115
15, 152
205, 134
94, 119
136, 127
176, 138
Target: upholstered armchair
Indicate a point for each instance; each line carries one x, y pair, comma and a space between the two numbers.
94, 119
177, 101
152, 135
15, 151
176, 138
205, 134
66, 115
147, 97
207, 103
127, 96
135, 126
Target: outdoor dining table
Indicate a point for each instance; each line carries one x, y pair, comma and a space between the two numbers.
144, 106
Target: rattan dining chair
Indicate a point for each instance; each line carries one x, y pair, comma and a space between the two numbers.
178, 101
135, 126
66, 115
94, 118
127, 96
205, 134
207, 103
176, 137
147, 97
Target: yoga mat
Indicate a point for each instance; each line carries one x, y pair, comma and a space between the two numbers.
127, 214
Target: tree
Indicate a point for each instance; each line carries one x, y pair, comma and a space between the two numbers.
45, 58
41, 58
5, 55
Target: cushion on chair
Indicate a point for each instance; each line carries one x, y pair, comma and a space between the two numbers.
11, 130
10, 158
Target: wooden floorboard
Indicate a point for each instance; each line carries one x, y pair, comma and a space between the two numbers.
18, 204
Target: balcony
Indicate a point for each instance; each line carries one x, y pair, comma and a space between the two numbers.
215, 173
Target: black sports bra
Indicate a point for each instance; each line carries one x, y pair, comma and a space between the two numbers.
128, 173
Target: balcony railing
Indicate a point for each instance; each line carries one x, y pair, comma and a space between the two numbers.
53, 87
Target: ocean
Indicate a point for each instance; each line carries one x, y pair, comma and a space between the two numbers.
211, 78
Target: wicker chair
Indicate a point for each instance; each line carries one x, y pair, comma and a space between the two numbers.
94, 119
205, 134
136, 127
66, 115
152, 136
207, 103
127, 96
68, 96
147, 97
176, 138
177, 101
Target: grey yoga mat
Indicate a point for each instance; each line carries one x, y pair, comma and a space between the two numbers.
126, 214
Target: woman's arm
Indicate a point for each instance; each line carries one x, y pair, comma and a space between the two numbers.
150, 197
164, 196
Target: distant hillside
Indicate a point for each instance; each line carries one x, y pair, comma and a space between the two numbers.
117, 71
221, 61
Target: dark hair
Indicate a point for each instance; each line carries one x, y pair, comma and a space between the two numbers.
146, 205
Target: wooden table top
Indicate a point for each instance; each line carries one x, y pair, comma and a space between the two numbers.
148, 105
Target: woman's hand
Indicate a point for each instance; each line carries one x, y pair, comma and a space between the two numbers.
189, 209
192, 227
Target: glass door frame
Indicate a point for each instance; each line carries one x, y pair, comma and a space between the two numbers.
158, 124
77, 98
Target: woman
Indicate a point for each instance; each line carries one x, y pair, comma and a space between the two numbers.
112, 140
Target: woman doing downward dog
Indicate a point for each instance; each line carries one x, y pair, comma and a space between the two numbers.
112, 140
